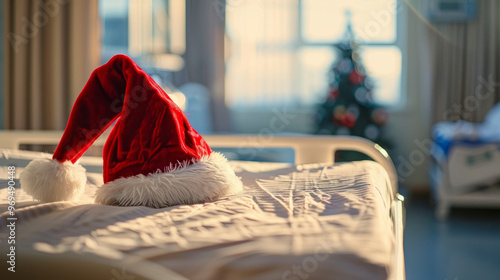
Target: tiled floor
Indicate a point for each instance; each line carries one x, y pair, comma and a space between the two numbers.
466, 246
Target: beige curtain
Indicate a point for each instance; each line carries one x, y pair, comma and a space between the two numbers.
465, 62
51, 48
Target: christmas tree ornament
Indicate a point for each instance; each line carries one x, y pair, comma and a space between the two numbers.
152, 157
334, 93
356, 78
349, 120
368, 84
361, 95
380, 116
345, 66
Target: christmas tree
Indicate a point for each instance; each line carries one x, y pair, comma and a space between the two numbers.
349, 108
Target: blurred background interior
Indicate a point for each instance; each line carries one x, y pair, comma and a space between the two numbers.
420, 78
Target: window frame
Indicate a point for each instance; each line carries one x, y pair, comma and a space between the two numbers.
162, 57
399, 42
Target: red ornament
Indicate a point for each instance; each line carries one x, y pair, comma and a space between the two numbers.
349, 119
333, 94
356, 78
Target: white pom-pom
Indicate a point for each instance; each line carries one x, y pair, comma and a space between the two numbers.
50, 180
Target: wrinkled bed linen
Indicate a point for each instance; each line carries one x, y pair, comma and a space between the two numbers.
291, 222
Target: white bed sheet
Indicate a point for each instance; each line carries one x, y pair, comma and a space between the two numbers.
291, 222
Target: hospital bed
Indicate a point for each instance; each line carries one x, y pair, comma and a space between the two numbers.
313, 219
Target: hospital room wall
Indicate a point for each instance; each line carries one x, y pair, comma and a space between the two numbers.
411, 126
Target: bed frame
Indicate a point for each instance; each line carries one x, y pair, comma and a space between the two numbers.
307, 149
462, 191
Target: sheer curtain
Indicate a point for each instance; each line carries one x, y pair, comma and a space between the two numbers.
465, 62
263, 67
51, 48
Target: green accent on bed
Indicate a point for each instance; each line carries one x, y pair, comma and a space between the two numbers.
479, 158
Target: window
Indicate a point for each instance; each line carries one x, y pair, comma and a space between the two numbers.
280, 51
150, 31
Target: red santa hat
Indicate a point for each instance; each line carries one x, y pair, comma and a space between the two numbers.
152, 157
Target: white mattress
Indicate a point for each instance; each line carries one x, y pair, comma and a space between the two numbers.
291, 222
